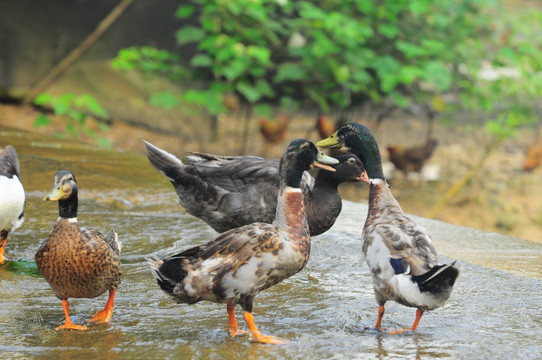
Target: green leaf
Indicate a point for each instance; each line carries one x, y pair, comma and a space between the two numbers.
249, 92
410, 50
201, 60
262, 110
438, 74
235, 68
288, 104
185, 11
165, 100
398, 98
290, 72
189, 34
41, 120
43, 99
260, 53
419, 7
388, 30
264, 88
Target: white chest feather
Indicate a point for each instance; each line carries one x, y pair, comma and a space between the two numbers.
12, 200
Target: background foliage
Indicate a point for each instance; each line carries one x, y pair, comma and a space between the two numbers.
336, 55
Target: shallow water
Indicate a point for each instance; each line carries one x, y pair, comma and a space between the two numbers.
494, 311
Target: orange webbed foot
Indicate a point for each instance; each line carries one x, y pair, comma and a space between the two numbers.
257, 336
266, 339
237, 332
71, 326
102, 316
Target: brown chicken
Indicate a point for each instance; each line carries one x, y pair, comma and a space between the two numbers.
274, 131
326, 127
411, 159
533, 159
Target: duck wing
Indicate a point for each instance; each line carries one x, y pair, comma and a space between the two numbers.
9, 162
410, 247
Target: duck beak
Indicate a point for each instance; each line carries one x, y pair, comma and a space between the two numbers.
322, 160
364, 177
56, 194
329, 143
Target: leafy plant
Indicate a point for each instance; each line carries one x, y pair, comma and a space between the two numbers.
328, 54
75, 108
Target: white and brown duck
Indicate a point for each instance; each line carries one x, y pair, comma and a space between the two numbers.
400, 253
235, 266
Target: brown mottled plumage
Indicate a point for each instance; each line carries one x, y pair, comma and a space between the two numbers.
400, 253
78, 262
239, 263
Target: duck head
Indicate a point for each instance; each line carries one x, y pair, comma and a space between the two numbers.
357, 139
299, 156
65, 192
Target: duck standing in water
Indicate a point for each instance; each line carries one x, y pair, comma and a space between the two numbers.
239, 263
400, 254
78, 262
12, 197
231, 191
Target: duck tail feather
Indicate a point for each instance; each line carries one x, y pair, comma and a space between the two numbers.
439, 279
112, 239
167, 272
165, 163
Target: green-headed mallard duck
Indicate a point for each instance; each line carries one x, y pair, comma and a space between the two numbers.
78, 262
239, 263
12, 198
400, 254
231, 191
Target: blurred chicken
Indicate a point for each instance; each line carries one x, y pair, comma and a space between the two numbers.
327, 127
411, 159
533, 159
274, 131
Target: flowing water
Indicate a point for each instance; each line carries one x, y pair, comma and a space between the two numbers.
324, 311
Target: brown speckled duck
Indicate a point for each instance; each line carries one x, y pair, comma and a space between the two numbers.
231, 191
235, 266
12, 197
400, 254
78, 262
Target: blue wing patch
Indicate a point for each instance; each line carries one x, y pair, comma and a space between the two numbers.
397, 266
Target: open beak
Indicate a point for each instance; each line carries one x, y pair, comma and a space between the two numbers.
323, 160
364, 177
329, 143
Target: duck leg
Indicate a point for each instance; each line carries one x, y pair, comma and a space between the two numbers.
68, 325
232, 321
378, 324
419, 314
257, 336
103, 316
3, 239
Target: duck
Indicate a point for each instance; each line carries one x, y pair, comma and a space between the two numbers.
400, 254
231, 191
75, 261
12, 196
236, 265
